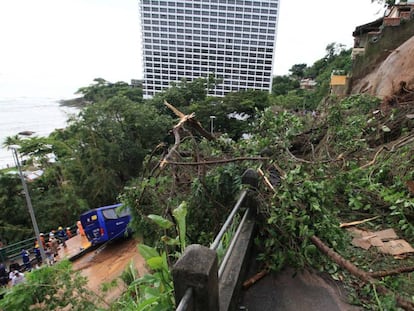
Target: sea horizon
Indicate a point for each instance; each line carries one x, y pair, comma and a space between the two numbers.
40, 115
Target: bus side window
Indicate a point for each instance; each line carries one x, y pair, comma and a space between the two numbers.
123, 212
109, 214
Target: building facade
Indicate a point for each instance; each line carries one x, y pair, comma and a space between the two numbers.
233, 40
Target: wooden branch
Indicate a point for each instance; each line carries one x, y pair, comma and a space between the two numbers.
173, 149
268, 183
374, 159
353, 223
312, 162
255, 278
215, 161
366, 277
404, 141
380, 274
298, 159
190, 120
184, 118
177, 112
200, 129
282, 173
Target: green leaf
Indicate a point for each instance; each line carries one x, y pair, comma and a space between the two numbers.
170, 241
315, 206
155, 263
161, 221
179, 214
147, 252
385, 128
147, 303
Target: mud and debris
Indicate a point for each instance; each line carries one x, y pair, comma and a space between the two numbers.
105, 263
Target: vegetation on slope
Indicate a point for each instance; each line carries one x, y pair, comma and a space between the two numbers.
352, 161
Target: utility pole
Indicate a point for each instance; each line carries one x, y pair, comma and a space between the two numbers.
29, 203
212, 124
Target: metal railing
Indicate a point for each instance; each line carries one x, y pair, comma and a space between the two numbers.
187, 299
13, 250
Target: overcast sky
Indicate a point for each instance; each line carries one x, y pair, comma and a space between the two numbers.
52, 48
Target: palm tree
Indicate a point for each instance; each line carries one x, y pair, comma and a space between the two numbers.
11, 140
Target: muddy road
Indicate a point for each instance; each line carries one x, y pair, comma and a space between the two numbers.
106, 264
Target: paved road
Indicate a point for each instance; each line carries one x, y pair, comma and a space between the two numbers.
292, 291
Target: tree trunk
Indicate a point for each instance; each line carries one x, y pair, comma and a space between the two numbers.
366, 277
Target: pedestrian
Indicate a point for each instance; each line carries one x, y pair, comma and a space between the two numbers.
17, 278
37, 253
50, 258
11, 274
42, 240
61, 235
4, 276
80, 228
26, 260
53, 244
68, 232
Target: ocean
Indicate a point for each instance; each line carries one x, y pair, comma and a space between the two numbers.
40, 115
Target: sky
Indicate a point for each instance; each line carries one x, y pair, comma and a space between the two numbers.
51, 48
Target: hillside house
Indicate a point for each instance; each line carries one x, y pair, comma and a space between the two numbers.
371, 32
374, 41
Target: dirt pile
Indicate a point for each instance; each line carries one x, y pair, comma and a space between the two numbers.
386, 79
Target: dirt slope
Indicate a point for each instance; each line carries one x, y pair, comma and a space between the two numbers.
385, 79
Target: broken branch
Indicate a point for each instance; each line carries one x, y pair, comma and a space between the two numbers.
255, 278
380, 274
374, 159
353, 223
366, 277
216, 161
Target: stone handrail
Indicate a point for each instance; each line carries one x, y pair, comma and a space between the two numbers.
200, 284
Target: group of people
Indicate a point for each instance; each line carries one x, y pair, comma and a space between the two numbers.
62, 235
50, 246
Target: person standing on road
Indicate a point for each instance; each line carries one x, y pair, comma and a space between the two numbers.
68, 232
38, 256
53, 244
80, 228
61, 234
26, 260
50, 258
42, 240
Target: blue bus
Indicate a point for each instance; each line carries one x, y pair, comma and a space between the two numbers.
105, 223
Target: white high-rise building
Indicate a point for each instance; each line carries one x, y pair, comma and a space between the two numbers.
232, 39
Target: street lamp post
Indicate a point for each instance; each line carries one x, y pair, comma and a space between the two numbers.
29, 203
212, 124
